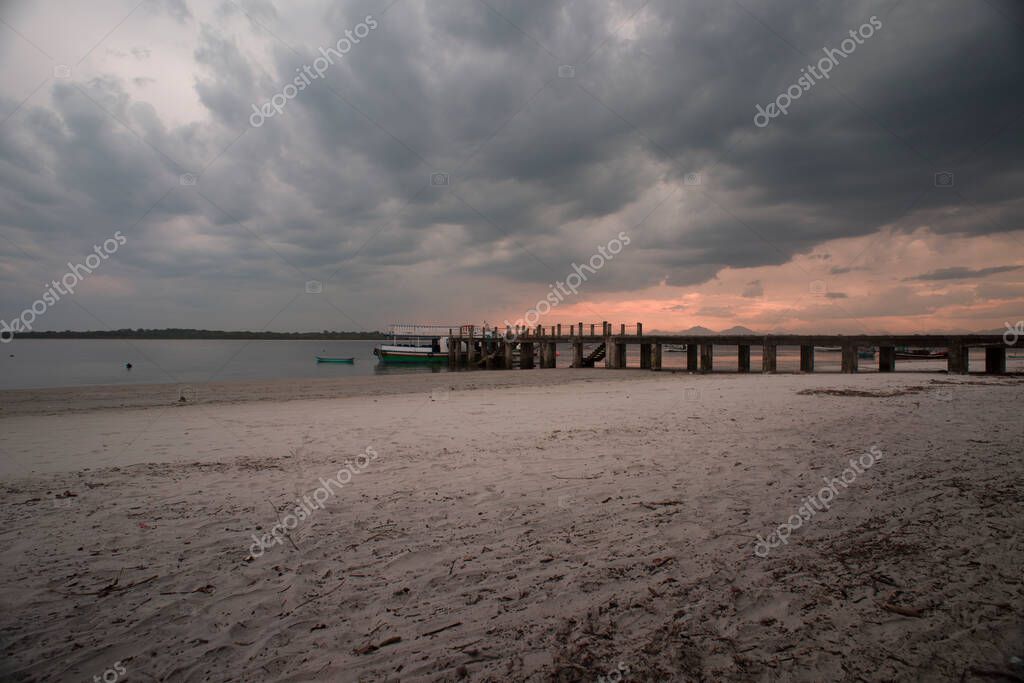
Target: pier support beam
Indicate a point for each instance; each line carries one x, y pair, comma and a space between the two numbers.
707, 353
645, 356
769, 357
471, 355
509, 358
958, 362
656, 357
743, 358
849, 358
577, 354
995, 360
887, 359
619, 349
806, 358
691, 358
551, 355
525, 356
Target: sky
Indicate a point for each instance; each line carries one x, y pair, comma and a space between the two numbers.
784, 165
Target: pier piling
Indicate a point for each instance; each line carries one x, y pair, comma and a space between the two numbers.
886, 358
743, 358
707, 354
806, 358
958, 358
995, 360
769, 360
849, 364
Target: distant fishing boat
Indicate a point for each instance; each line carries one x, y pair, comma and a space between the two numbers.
325, 359
866, 353
675, 348
835, 349
904, 353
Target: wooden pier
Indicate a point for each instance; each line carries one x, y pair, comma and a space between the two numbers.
509, 348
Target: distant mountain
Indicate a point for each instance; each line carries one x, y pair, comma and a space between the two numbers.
699, 330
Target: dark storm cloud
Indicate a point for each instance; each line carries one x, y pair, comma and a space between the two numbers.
962, 273
542, 169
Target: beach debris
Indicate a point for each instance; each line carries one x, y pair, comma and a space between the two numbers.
899, 609
865, 394
286, 534
208, 588
370, 647
654, 505
660, 561
443, 628
112, 586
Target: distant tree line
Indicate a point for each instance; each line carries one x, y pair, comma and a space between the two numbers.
188, 333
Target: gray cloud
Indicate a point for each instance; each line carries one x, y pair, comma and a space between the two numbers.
962, 273
542, 168
753, 289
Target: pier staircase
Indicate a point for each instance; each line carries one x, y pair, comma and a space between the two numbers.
595, 356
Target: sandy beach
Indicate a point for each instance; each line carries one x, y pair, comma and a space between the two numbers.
555, 525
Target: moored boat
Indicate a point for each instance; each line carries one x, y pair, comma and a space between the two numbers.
327, 359
904, 353
415, 344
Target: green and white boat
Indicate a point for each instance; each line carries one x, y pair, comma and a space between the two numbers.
415, 344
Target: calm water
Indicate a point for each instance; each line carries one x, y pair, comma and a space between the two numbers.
79, 362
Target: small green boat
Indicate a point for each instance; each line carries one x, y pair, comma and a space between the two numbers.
324, 359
